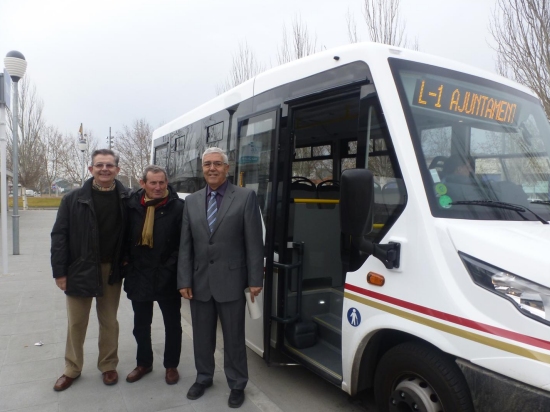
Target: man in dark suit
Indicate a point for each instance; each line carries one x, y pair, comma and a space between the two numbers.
221, 254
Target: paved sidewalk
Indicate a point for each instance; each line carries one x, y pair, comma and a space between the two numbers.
32, 310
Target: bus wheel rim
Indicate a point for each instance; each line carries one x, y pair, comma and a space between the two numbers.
414, 394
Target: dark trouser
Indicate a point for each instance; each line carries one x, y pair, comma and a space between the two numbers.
205, 319
143, 317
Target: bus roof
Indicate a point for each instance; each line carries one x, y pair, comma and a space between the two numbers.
374, 54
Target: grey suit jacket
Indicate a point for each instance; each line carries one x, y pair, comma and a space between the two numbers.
223, 263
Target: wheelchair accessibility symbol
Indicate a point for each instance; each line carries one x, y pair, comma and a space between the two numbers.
354, 317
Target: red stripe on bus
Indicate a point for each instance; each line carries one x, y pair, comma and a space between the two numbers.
493, 330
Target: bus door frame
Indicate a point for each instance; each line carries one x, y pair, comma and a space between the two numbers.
270, 224
285, 157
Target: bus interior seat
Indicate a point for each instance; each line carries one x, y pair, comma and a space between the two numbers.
460, 188
328, 189
510, 192
300, 188
438, 163
319, 230
380, 210
393, 194
378, 198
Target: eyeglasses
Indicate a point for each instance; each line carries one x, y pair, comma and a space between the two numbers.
104, 165
207, 165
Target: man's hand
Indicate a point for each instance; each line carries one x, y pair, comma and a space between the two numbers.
187, 293
254, 291
61, 283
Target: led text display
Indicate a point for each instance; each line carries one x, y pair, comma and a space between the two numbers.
451, 98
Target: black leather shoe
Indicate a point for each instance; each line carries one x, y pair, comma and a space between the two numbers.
197, 390
236, 398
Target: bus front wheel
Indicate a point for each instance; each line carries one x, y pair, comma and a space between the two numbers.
415, 377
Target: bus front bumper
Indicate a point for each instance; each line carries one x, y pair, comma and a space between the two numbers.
492, 392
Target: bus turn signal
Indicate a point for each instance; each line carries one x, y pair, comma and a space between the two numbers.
375, 279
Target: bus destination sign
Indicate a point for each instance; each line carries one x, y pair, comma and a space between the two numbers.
451, 98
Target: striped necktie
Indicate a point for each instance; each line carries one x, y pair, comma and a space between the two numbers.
212, 210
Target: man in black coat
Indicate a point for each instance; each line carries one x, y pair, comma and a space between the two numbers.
155, 214
87, 241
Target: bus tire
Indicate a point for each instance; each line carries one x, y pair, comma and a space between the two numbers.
416, 377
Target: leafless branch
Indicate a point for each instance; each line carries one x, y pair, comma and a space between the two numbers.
521, 31
31, 125
300, 44
352, 28
245, 66
133, 145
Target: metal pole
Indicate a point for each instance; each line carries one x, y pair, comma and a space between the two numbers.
3, 189
83, 166
15, 148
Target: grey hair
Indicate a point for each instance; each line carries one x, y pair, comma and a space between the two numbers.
153, 169
217, 150
105, 152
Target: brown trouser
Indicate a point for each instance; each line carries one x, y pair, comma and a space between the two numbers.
78, 314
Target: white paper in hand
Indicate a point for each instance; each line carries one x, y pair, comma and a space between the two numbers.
254, 309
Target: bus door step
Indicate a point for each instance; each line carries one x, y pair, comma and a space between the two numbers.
329, 328
301, 334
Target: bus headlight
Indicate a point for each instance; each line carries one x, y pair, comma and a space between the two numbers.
529, 298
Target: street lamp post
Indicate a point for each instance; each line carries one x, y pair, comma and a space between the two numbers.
16, 65
82, 146
5, 98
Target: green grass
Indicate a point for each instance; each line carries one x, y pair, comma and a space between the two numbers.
37, 202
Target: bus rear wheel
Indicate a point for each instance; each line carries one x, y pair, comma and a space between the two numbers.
415, 377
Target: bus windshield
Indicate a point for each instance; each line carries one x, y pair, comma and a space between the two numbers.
481, 146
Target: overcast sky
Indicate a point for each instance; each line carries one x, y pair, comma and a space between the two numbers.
106, 63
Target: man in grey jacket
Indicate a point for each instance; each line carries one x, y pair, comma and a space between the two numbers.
221, 254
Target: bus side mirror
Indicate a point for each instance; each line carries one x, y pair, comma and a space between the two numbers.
356, 221
356, 202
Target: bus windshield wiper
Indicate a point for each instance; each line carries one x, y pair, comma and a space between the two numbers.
501, 205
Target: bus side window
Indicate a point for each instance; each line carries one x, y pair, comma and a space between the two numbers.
390, 194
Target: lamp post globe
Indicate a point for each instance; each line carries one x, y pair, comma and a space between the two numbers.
16, 65
82, 144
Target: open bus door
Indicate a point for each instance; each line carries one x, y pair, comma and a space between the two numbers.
323, 136
319, 141
255, 167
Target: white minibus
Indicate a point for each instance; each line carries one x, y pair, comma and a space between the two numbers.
406, 202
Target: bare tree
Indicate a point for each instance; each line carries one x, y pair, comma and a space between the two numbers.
54, 147
31, 149
245, 66
384, 24
71, 159
521, 31
133, 145
352, 28
299, 43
